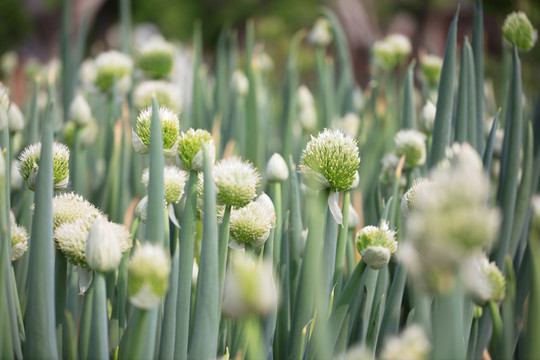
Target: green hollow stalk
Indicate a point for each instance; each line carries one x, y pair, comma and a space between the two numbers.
279, 222
408, 118
488, 152
532, 345
254, 141
461, 119
40, 312
60, 296
445, 99
206, 323
85, 324
223, 247
478, 51
99, 342
342, 244
166, 346
472, 125
186, 243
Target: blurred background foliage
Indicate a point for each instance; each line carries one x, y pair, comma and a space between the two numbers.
31, 27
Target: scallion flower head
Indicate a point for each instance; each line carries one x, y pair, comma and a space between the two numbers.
408, 201
156, 58
249, 287
28, 165
148, 275
412, 144
69, 207
236, 182
431, 66
174, 180
427, 116
484, 280
169, 127
376, 245
190, 155
19, 239
251, 224
517, 29
330, 161
103, 248
321, 33
411, 344
167, 94
112, 65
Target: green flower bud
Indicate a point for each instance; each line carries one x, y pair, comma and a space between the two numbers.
330, 161
19, 239
167, 94
190, 143
236, 182
517, 29
408, 201
249, 287
28, 165
412, 344
401, 46
478, 310
412, 144
141, 209
79, 111
376, 245
276, 169
485, 281
251, 224
174, 180
103, 251
156, 58
72, 237
321, 33
112, 65
169, 127
428, 116
148, 275
69, 207
15, 118
431, 66
391, 51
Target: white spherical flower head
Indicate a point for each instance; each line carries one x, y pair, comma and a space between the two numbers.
111, 65
517, 29
72, 237
376, 245
170, 128
174, 180
350, 124
19, 239
28, 165
251, 224
15, 118
167, 94
428, 116
408, 201
103, 251
148, 275
249, 287
330, 161
401, 45
411, 344
484, 280
69, 207
305, 98
240, 83
276, 169
236, 182
79, 111
412, 144
321, 33
190, 154
156, 58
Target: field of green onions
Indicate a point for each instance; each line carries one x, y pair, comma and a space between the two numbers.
157, 206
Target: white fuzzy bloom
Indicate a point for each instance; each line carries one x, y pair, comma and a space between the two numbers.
251, 224
484, 280
236, 182
88, 72
174, 180
239, 83
79, 111
103, 251
112, 65
412, 144
350, 124
401, 45
15, 118
412, 344
305, 98
276, 169
428, 116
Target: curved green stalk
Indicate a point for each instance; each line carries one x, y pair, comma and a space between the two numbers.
99, 343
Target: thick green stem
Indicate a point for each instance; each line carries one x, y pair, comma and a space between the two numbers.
99, 343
